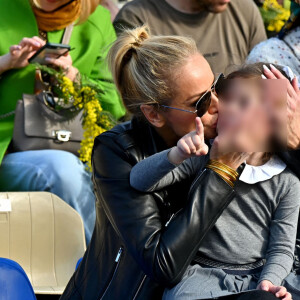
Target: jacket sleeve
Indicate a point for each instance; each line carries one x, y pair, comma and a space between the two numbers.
163, 252
283, 229
157, 172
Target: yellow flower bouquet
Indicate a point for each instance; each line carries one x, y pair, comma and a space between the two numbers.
81, 95
274, 14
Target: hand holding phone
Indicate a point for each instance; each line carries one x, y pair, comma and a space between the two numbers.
18, 55
49, 50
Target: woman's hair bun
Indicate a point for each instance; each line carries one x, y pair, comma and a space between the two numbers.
143, 66
138, 35
123, 49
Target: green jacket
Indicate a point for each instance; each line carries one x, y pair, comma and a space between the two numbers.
91, 41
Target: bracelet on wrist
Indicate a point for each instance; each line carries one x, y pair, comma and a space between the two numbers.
228, 174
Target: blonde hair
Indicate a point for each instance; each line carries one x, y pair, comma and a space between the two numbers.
143, 67
87, 8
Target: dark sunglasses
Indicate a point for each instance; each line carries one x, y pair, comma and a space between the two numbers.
204, 101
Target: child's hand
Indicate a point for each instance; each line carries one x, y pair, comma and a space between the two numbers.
278, 291
192, 144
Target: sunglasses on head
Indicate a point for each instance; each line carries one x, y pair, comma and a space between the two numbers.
204, 101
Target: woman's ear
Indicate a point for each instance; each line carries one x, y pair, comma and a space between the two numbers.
153, 115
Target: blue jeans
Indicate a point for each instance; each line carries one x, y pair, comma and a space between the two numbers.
54, 171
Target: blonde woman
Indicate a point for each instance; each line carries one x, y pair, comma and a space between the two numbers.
144, 242
25, 26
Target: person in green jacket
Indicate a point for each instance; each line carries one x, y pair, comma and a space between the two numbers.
25, 26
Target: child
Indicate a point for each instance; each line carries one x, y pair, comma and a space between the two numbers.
252, 243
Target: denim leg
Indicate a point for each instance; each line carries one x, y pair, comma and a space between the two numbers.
54, 171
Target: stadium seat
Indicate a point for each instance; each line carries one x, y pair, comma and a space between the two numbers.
45, 236
14, 283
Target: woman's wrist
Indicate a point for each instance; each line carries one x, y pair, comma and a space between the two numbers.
227, 173
229, 161
71, 73
4, 63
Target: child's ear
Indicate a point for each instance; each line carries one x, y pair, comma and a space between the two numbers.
153, 115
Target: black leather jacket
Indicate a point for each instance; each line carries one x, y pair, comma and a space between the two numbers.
138, 246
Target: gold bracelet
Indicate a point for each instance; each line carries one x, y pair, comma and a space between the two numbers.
229, 181
228, 174
223, 166
223, 171
224, 177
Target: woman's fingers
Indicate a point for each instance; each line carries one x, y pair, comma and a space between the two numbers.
39, 40
268, 73
58, 62
295, 84
14, 48
273, 73
279, 75
29, 41
27, 45
292, 88
276, 72
63, 62
53, 61
34, 43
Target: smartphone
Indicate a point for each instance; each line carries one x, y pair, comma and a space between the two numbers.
49, 49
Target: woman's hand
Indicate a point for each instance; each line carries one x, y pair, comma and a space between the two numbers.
231, 145
65, 63
221, 151
293, 107
278, 291
192, 144
19, 54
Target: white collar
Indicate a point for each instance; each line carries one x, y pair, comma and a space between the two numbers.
254, 174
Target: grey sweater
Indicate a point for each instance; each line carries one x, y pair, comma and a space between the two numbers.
260, 222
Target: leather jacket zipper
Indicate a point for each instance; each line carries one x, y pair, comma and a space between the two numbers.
193, 184
139, 288
117, 263
173, 216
